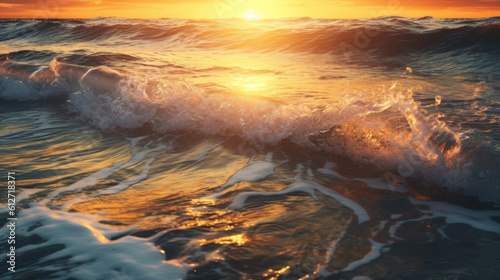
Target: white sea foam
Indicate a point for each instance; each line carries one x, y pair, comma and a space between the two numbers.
99, 258
375, 252
361, 278
133, 143
114, 189
252, 172
239, 200
199, 157
380, 184
129, 182
140, 156
479, 219
309, 187
330, 172
453, 214
393, 229
87, 181
396, 216
412, 145
101, 174
27, 193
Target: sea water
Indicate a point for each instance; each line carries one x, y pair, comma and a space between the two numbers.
273, 149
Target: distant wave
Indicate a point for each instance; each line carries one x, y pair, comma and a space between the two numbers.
380, 36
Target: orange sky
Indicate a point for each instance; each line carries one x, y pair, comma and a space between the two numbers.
240, 8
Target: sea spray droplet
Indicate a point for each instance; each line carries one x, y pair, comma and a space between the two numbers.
437, 100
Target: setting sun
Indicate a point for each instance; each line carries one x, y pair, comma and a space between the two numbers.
251, 16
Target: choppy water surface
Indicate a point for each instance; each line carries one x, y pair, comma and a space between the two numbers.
274, 149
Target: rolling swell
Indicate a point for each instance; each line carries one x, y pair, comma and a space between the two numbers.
379, 37
387, 132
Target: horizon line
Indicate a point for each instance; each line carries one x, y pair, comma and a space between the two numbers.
242, 18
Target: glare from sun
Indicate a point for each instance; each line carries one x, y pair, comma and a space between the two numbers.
251, 16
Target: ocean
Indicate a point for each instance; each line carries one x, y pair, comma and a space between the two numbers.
279, 149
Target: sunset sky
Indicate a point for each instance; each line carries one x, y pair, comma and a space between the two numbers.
247, 8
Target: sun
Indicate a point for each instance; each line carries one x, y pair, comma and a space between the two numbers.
251, 16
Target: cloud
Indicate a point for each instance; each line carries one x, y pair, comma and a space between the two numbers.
430, 3
407, 3
416, 3
85, 8
83, 3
